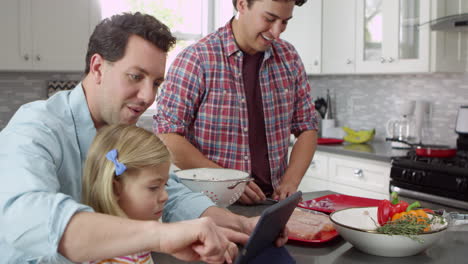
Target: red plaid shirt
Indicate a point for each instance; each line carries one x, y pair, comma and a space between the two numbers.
203, 99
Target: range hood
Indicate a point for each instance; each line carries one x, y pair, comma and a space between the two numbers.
457, 23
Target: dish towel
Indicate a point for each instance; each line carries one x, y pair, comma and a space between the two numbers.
273, 255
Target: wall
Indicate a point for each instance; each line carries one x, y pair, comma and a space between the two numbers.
368, 101
20, 88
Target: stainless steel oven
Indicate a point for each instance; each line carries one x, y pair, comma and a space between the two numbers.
440, 182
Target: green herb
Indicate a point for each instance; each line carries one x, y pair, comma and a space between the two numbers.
408, 227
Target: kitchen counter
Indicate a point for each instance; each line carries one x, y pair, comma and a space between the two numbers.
375, 150
452, 248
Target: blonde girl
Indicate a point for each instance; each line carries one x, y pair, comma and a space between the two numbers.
125, 175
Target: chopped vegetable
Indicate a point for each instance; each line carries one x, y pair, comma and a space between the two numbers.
419, 215
410, 226
398, 218
387, 209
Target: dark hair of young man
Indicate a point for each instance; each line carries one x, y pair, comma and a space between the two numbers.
250, 2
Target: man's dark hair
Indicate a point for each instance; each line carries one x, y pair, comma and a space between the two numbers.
110, 37
250, 2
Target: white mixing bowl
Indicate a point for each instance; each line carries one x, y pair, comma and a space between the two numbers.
223, 186
356, 226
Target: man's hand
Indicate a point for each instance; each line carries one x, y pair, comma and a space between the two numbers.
199, 240
252, 194
285, 189
248, 225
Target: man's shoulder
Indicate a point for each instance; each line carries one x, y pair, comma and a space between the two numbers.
52, 113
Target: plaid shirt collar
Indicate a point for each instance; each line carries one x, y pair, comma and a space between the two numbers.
230, 45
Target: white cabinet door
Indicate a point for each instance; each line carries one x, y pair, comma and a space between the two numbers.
61, 30
389, 38
46, 35
338, 35
353, 191
316, 176
363, 174
449, 52
304, 31
16, 43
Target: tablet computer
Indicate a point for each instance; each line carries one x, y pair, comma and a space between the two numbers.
272, 221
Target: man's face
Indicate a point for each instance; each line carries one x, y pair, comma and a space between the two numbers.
262, 23
128, 86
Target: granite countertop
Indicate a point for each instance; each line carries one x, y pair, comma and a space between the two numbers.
451, 248
374, 150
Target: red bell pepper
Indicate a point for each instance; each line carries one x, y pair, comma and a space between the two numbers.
387, 209
384, 211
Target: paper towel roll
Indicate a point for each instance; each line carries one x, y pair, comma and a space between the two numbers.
327, 127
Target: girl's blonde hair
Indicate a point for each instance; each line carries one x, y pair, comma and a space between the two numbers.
137, 148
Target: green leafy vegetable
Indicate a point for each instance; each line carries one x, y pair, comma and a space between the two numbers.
409, 227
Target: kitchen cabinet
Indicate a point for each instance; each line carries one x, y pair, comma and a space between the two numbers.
46, 35
338, 36
316, 176
389, 38
449, 50
304, 31
347, 175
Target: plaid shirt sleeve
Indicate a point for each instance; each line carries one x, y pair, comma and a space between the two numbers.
179, 95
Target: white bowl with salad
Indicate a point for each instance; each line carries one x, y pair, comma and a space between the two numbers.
379, 231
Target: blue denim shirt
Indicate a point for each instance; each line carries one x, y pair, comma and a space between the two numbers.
43, 149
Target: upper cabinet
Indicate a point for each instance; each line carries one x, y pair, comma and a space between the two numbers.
338, 36
46, 35
449, 51
390, 38
379, 36
304, 31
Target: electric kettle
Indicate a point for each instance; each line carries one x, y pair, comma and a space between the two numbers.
399, 129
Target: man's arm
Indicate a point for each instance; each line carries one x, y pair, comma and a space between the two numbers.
301, 156
94, 236
185, 155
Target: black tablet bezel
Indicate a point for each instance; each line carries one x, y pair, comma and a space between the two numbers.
271, 223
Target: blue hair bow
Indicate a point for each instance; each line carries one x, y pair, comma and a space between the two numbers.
119, 167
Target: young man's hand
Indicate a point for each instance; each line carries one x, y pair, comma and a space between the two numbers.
252, 194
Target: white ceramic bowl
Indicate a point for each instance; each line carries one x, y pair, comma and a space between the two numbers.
356, 226
216, 183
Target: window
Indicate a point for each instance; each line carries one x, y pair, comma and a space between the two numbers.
189, 20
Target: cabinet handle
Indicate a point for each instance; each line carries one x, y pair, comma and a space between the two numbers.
38, 58
358, 173
316, 62
348, 61
390, 59
382, 60
26, 57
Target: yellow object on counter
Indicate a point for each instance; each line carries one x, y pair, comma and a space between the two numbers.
361, 136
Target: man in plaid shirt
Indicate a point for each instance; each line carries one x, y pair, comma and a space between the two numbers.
232, 100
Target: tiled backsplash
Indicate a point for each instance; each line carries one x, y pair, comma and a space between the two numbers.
360, 101
17, 89
368, 101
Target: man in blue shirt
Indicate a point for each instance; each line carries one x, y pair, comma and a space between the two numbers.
45, 145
